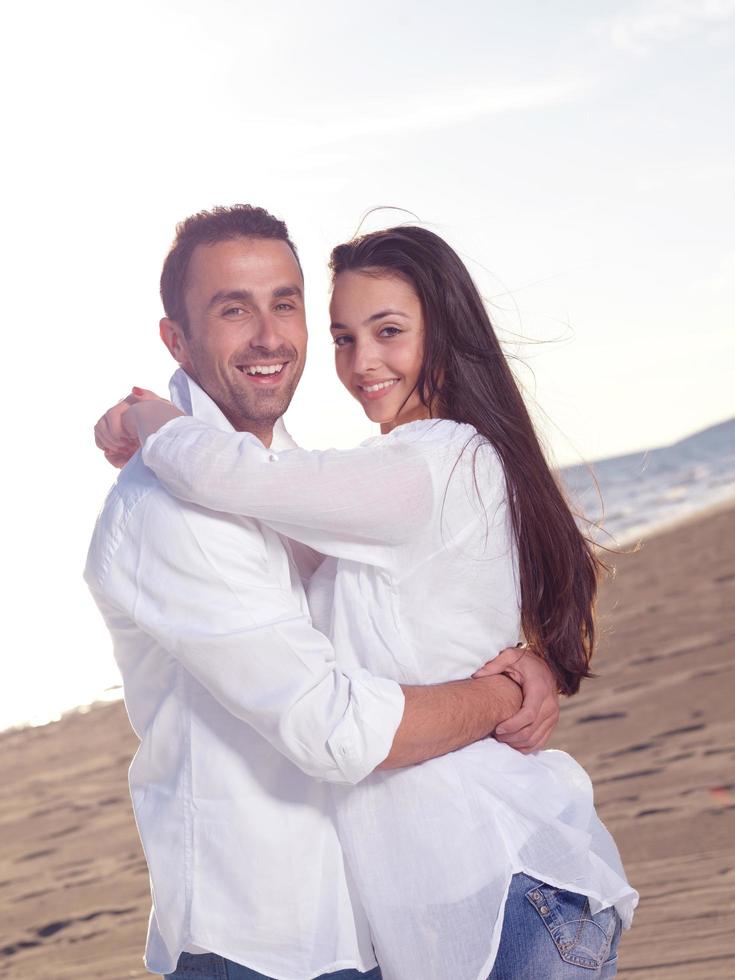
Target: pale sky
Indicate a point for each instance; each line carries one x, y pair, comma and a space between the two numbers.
579, 155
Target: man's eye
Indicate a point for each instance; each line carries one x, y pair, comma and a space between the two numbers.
234, 311
285, 306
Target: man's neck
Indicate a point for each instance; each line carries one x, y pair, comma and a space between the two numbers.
262, 432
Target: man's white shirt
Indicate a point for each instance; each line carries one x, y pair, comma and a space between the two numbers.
244, 718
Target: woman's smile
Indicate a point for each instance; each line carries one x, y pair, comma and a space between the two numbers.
376, 389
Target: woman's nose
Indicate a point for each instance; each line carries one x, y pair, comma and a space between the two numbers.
366, 358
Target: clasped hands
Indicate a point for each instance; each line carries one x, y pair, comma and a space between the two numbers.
530, 728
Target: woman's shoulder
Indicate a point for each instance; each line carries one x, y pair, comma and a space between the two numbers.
440, 435
452, 449
432, 433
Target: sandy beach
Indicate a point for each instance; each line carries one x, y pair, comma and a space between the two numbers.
655, 730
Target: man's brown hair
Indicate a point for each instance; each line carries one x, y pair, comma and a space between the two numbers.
221, 224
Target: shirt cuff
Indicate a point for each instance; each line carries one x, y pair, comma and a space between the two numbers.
364, 736
177, 423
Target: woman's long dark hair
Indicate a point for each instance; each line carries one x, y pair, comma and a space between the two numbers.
465, 377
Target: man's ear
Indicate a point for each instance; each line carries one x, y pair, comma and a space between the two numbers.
173, 336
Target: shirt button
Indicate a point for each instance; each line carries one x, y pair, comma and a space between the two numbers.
273, 458
544, 910
536, 896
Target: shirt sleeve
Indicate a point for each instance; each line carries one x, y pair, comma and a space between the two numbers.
358, 504
195, 583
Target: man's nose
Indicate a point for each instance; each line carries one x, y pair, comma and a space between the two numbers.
265, 334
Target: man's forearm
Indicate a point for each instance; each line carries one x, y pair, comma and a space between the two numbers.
440, 718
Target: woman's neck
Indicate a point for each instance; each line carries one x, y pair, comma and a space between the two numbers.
413, 415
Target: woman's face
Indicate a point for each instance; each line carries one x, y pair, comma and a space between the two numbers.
378, 331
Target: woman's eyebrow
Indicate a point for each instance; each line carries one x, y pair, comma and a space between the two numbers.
382, 313
371, 319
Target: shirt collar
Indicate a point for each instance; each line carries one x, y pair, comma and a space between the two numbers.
190, 398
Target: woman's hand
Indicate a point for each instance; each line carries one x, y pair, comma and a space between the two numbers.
126, 426
530, 728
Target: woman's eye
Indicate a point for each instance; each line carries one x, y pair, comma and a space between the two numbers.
390, 332
342, 341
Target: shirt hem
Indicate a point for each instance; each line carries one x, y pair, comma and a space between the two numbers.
260, 966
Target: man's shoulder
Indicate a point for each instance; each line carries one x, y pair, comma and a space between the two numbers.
137, 487
140, 513
133, 491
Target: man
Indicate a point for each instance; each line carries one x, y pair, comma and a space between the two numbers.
243, 711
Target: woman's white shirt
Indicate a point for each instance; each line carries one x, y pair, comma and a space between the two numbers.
421, 587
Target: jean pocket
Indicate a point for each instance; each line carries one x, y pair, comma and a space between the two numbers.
199, 966
581, 938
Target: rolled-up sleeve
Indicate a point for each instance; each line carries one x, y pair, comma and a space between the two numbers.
198, 584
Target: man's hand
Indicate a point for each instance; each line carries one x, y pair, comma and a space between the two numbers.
530, 728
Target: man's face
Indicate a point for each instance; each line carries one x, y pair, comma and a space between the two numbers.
246, 340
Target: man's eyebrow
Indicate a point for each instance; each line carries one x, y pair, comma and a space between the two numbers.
245, 296
288, 291
224, 296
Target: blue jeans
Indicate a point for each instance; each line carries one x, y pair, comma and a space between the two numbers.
208, 966
550, 934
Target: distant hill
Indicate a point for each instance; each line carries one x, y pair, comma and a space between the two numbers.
641, 490
718, 437
715, 439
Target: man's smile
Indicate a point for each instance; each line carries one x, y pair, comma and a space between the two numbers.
263, 374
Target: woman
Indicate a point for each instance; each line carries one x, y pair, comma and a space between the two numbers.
467, 543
